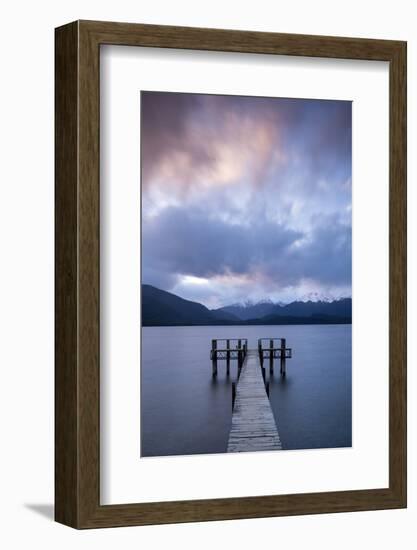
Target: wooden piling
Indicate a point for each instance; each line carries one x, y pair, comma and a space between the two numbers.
214, 356
271, 356
228, 357
239, 362
283, 362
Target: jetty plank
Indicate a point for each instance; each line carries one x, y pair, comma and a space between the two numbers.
253, 424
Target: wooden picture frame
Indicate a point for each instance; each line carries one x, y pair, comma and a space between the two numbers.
77, 382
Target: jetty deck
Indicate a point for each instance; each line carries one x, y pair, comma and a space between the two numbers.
253, 424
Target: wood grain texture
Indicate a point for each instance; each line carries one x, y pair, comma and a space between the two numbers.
66, 341
78, 286
398, 274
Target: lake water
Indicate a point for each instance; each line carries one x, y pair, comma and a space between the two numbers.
184, 410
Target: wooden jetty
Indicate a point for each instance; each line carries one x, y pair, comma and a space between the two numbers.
253, 424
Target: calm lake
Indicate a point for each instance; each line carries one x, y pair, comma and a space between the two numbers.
185, 411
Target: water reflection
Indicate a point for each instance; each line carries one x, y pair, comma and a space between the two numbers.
185, 410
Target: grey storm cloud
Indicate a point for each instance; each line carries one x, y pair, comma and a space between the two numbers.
164, 128
196, 245
242, 186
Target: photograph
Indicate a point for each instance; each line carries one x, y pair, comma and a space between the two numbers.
246, 273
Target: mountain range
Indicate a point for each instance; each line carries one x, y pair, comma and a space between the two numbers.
161, 308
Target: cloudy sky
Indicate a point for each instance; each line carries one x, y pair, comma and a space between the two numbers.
246, 198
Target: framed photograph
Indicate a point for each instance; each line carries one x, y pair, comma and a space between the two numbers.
230, 274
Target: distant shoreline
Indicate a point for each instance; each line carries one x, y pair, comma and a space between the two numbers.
243, 323
161, 308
